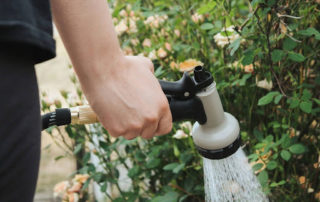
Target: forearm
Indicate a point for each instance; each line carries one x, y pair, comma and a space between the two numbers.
87, 31
123, 91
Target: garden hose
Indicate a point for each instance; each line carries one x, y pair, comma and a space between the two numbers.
215, 133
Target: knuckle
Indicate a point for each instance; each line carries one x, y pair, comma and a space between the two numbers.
165, 128
135, 127
168, 127
164, 106
152, 119
119, 131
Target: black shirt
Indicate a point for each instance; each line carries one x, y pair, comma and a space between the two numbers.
28, 23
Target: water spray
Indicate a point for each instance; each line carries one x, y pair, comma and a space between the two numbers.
215, 133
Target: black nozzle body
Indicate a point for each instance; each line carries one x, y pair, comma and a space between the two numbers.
190, 109
222, 153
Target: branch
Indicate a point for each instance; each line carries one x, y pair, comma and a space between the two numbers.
247, 20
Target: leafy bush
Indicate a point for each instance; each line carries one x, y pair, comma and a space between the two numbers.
264, 55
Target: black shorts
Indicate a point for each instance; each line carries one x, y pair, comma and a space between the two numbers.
19, 125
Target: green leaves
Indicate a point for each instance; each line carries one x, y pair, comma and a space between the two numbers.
285, 155
275, 184
248, 57
268, 98
294, 102
306, 106
289, 44
206, 8
277, 55
152, 163
310, 32
168, 197
272, 165
263, 177
77, 148
170, 166
175, 167
206, 26
234, 46
296, 57
297, 149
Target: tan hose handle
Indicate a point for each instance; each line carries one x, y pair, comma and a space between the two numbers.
83, 115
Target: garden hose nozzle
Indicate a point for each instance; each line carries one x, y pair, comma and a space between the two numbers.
215, 133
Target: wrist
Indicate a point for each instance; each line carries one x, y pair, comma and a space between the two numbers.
100, 71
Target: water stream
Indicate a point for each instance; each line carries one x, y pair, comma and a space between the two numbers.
231, 179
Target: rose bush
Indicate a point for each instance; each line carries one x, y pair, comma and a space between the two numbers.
264, 56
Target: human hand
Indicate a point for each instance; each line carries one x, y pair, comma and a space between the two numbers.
128, 99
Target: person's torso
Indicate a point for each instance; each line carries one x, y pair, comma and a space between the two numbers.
28, 23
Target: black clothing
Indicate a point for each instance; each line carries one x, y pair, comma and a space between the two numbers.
25, 39
19, 125
28, 22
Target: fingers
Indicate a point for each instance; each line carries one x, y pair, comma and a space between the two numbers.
165, 123
148, 64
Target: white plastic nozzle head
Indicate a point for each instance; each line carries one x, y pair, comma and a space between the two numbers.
219, 136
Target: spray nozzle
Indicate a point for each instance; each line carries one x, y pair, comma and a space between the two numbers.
188, 86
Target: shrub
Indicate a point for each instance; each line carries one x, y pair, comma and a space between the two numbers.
264, 55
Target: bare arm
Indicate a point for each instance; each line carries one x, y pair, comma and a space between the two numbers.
121, 90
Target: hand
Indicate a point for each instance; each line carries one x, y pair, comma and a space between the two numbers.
128, 99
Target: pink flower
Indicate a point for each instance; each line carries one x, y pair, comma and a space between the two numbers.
174, 65
81, 178
168, 46
196, 18
61, 188
76, 187
146, 43
161, 53
177, 32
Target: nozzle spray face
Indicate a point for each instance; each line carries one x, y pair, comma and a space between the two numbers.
219, 137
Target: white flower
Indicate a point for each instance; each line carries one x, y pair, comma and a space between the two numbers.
73, 197
128, 51
152, 55
186, 126
196, 18
134, 41
121, 27
223, 40
132, 26
180, 134
264, 84
123, 13
155, 21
